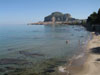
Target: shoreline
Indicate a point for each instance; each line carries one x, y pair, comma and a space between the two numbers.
87, 64
91, 66
55, 23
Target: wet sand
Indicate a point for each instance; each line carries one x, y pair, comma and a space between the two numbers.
91, 64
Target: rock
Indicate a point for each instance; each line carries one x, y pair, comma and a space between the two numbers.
12, 61
2, 70
58, 17
31, 54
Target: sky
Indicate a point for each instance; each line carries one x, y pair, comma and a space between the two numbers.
27, 11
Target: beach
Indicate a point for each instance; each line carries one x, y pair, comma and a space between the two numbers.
91, 64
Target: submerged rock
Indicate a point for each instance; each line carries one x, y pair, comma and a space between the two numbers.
12, 61
2, 70
30, 54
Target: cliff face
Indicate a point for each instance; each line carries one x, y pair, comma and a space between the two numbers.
59, 17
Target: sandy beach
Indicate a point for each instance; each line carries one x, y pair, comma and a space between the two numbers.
91, 65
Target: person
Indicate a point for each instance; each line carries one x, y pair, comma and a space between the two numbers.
67, 41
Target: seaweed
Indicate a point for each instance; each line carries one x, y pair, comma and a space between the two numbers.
47, 67
30, 54
2, 70
5, 61
10, 49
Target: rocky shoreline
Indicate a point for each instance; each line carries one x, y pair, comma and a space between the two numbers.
45, 23
56, 23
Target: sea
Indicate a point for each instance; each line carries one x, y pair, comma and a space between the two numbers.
39, 49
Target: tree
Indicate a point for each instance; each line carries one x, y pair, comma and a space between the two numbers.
98, 19
92, 19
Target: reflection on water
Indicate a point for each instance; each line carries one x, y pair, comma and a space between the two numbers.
38, 44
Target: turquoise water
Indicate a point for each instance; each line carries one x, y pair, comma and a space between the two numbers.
37, 43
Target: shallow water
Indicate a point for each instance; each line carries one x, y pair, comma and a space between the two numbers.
38, 43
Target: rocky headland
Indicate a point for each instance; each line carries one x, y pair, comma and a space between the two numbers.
59, 18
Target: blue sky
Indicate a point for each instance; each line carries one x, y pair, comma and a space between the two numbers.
26, 11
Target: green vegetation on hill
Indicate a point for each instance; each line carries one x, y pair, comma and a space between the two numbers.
94, 18
93, 22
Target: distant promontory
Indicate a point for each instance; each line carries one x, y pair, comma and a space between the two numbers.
59, 18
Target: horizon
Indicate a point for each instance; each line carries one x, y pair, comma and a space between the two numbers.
27, 11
